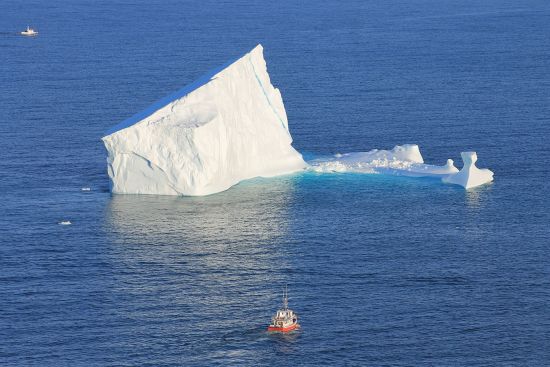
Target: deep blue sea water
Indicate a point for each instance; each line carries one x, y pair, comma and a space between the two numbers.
383, 271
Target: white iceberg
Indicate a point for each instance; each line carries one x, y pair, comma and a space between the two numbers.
403, 160
469, 176
228, 126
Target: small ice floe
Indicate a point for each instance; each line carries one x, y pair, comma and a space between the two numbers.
404, 160
85, 189
65, 223
469, 176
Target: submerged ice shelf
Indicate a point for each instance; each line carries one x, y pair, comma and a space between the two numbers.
231, 125
404, 160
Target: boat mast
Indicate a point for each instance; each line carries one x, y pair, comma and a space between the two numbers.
285, 298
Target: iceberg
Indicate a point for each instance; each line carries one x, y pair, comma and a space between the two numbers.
469, 176
229, 125
404, 160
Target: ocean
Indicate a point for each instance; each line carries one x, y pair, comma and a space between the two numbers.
382, 270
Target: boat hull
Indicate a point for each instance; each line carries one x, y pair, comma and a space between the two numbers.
287, 329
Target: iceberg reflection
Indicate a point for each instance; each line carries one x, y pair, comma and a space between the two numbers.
477, 198
246, 219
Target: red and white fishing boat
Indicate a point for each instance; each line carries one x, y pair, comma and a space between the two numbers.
285, 320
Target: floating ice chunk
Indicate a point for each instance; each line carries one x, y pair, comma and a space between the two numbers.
65, 222
228, 126
428, 170
400, 153
406, 152
402, 160
469, 176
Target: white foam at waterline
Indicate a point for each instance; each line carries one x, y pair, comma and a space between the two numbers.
65, 223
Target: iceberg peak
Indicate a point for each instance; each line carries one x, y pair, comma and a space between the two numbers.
227, 126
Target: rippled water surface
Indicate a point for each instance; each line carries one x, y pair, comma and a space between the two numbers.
382, 270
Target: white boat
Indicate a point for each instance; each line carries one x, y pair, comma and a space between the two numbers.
285, 320
29, 32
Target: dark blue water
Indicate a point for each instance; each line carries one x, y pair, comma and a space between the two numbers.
383, 271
